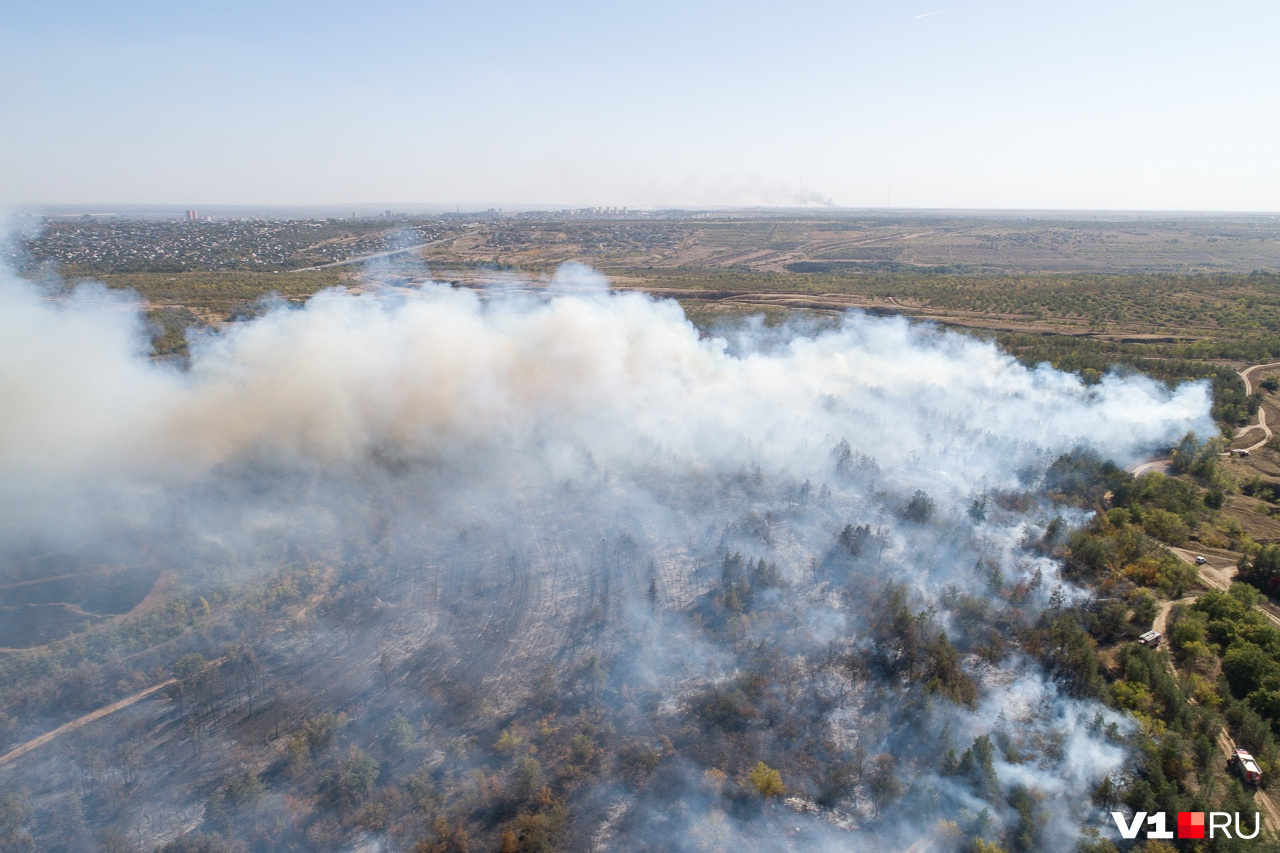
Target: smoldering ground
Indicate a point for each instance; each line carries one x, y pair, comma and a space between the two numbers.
698, 553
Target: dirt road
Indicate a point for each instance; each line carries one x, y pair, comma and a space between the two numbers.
1161, 624
1244, 374
50, 579
1268, 808
1219, 576
1161, 465
1262, 425
1218, 571
1270, 813
19, 751
1262, 413
22, 750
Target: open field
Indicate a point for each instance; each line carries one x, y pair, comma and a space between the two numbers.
910, 242
1129, 280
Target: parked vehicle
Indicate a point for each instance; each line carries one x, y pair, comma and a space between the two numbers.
1200, 561
1150, 639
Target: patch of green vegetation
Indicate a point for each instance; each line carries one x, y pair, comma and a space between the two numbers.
1227, 676
221, 291
169, 328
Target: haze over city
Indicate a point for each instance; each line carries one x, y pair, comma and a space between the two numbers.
952, 104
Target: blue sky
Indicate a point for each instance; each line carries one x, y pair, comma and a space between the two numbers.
921, 103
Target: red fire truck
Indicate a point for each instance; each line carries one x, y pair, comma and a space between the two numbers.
1248, 769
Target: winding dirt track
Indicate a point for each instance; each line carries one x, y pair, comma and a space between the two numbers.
1161, 624
1162, 464
1219, 577
1262, 425
1244, 374
1262, 413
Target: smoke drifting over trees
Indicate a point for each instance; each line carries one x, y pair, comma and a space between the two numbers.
780, 587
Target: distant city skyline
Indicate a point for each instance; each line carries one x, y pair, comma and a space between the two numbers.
949, 105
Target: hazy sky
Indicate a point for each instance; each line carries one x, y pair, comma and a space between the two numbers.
918, 103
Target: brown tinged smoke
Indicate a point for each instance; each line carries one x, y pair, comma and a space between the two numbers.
748, 554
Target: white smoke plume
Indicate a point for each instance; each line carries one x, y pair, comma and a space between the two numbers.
445, 373
544, 462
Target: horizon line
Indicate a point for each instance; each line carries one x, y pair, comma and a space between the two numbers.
486, 207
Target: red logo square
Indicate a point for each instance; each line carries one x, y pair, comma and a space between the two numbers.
1191, 824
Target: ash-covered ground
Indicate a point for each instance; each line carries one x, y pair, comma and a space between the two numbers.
513, 571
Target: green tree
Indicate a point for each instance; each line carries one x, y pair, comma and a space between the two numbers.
1262, 570
1166, 526
399, 737
978, 765
352, 783
528, 777
919, 508
767, 781
1247, 668
977, 510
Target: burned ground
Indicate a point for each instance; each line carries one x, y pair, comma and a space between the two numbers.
560, 570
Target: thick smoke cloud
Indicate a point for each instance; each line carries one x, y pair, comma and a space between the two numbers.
445, 374
531, 465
